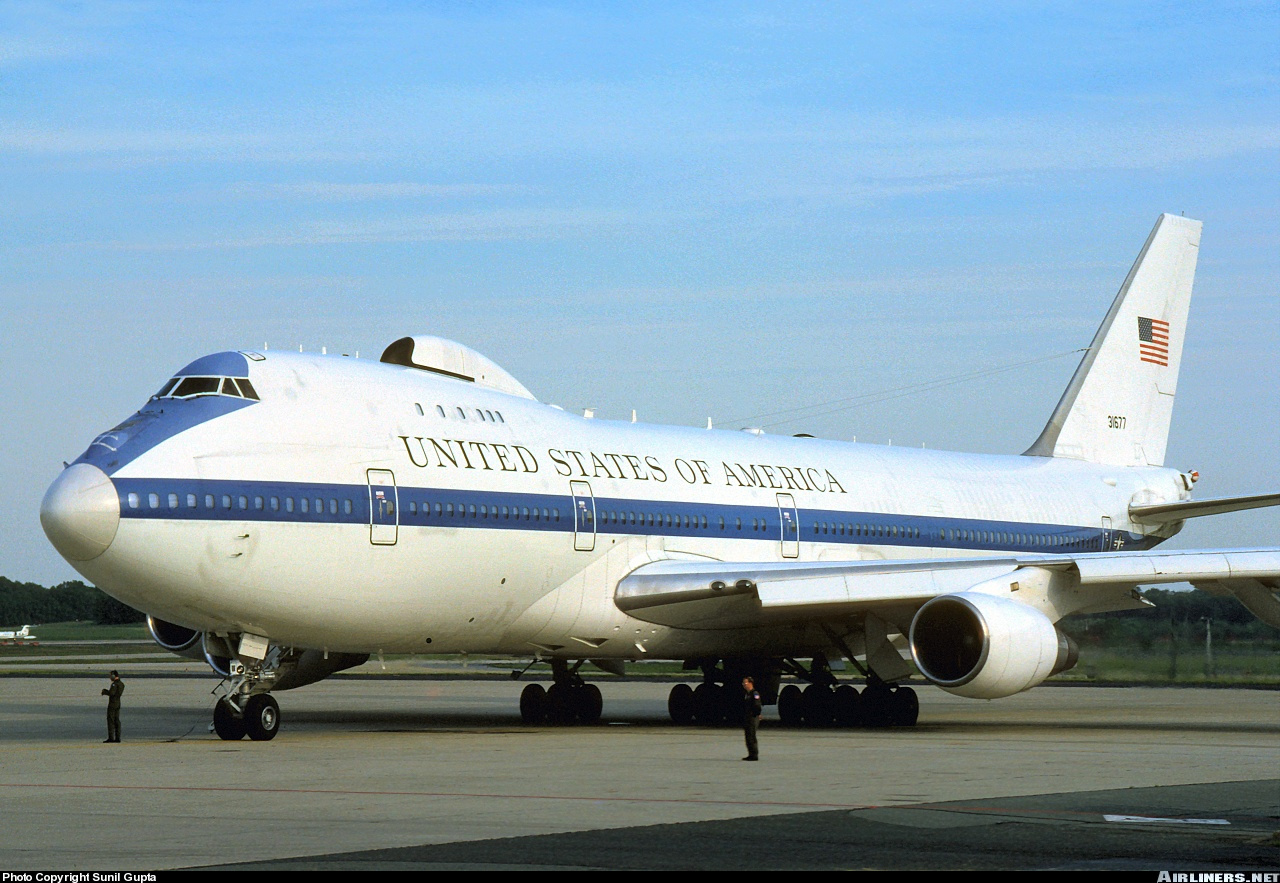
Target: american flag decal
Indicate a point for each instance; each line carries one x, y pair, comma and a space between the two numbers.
1153, 341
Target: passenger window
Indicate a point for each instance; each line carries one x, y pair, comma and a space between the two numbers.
208, 501
153, 500
535, 513
448, 509
462, 413
288, 504
722, 522
440, 410
191, 501
257, 503
438, 510
304, 505
524, 513
471, 510
484, 511
333, 507
275, 504
173, 501
499, 413
419, 408
413, 508
320, 506
226, 501
545, 514
243, 501
480, 414
133, 501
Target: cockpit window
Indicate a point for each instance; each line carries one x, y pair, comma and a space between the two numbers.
194, 387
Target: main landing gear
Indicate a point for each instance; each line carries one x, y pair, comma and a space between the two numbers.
569, 700
824, 702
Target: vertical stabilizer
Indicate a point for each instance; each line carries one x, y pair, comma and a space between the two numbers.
1118, 405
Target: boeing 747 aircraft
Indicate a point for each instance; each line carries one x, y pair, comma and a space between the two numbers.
283, 516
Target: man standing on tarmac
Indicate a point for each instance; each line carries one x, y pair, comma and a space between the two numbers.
113, 707
752, 711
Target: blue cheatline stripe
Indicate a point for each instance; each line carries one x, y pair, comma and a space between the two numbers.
269, 501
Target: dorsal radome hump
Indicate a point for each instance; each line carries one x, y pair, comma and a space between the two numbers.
451, 359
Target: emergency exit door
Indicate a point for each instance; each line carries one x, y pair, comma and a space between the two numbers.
384, 509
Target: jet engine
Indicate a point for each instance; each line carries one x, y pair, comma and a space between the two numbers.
176, 638
985, 647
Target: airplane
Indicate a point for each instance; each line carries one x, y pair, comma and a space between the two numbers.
22, 634
285, 515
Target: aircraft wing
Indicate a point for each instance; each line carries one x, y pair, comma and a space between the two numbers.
1159, 513
728, 595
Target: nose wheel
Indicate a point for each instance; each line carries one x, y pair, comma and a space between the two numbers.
259, 719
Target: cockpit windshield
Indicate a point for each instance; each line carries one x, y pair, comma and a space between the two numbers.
194, 387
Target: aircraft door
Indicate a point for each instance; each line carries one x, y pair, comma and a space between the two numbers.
584, 516
789, 518
384, 509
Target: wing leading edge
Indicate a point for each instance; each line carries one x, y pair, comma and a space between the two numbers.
732, 595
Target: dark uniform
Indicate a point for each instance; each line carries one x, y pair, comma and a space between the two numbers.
751, 711
113, 707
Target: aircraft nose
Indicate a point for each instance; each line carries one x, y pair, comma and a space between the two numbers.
81, 512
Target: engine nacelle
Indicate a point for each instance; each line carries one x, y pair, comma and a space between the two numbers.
176, 638
985, 647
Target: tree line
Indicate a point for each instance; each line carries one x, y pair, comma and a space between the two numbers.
30, 603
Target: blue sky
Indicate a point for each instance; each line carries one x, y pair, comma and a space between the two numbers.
718, 210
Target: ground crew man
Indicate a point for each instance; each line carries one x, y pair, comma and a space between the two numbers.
113, 707
752, 711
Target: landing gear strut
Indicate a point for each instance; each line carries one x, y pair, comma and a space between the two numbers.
243, 712
569, 700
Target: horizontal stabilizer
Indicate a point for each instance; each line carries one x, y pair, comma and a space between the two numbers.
1160, 513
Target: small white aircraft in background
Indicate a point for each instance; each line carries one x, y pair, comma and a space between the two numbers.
283, 516
22, 634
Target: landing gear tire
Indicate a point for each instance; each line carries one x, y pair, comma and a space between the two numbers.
560, 705
708, 704
904, 708
262, 717
680, 704
229, 726
877, 702
588, 703
847, 706
791, 705
818, 704
533, 704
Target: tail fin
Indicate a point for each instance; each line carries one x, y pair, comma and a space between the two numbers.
1117, 407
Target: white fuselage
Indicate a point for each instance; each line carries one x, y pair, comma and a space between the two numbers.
455, 518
